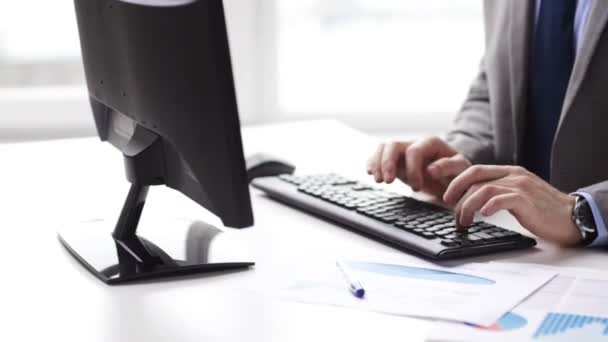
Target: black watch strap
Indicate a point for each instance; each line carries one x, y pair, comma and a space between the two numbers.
584, 220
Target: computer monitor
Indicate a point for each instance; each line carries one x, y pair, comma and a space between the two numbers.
161, 89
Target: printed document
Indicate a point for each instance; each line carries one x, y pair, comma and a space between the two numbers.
572, 306
474, 293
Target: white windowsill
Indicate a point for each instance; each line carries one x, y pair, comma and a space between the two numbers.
63, 112
44, 113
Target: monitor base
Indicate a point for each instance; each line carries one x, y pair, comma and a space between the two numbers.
184, 251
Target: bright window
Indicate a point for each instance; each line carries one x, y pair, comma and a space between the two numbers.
367, 62
39, 44
376, 56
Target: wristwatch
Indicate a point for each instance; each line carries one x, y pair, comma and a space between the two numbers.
583, 219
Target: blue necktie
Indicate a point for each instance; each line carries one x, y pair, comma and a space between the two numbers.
552, 58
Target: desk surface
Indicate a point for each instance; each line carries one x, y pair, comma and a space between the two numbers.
46, 295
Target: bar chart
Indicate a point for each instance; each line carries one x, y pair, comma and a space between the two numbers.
556, 325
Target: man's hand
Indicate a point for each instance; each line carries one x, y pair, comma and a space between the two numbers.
539, 207
427, 165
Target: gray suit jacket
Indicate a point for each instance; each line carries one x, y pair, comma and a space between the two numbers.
489, 127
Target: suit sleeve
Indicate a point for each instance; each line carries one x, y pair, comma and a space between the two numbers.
597, 196
472, 133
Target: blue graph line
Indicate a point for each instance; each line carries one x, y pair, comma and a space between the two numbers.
558, 323
419, 273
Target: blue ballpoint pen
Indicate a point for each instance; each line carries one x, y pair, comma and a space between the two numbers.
354, 286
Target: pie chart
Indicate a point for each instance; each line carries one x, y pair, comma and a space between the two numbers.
508, 322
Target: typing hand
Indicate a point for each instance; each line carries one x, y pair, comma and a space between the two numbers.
426, 165
538, 206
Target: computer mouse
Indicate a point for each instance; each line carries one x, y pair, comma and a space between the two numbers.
265, 165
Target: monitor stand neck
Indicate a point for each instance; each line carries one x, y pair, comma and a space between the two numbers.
125, 231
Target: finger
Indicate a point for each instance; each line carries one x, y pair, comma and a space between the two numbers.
448, 167
373, 165
517, 204
401, 170
417, 155
511, 201
457, 207
390, 160
472, 202
372, 162
473, 175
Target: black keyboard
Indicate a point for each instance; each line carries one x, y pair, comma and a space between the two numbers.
404, 222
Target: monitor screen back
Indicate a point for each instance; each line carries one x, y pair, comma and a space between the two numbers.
164, 66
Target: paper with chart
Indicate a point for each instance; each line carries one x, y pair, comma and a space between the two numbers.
473, 293
573, 306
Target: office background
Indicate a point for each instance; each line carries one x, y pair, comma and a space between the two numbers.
384, 66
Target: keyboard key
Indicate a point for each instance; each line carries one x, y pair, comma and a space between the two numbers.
428, 235
448, 230
473, 238
449, 243
498, 234
511, 237
405, 226
493, 230
485, 236
423, 219
462, 241
391, 219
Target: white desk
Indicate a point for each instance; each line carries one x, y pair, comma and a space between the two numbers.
46, 295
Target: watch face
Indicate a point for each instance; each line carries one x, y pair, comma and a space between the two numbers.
584, 214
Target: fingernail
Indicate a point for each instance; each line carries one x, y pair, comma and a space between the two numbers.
417, 184
378, 177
